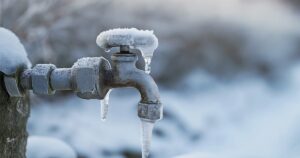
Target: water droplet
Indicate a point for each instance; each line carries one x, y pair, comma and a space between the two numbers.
104, 106
147, 128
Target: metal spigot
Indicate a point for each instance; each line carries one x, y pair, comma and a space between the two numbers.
92, 78
124, 72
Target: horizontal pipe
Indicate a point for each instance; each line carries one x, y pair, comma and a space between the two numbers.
61, 79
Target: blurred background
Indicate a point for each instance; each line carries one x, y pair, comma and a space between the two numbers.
228, 72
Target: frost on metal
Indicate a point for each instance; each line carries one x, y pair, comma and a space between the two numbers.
12, 53
143, 40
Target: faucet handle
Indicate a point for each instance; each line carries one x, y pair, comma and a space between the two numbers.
143, 40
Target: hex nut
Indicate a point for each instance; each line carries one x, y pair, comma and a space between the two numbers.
88, 77
150, 112
12, 87
84, 78
41, 79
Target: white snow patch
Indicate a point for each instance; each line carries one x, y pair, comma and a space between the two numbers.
143, 40
12, 53
46, 147
198, 155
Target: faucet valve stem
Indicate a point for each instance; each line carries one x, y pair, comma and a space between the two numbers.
124, 49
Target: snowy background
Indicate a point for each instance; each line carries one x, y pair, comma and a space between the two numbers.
228, 71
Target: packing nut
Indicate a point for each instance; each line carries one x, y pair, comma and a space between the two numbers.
150, 112
41, 79
84, 78
88, 79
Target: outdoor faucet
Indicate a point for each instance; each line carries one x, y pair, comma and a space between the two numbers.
93, 77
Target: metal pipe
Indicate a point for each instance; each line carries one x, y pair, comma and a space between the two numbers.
61, 79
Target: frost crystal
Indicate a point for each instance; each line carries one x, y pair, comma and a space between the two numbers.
12, 53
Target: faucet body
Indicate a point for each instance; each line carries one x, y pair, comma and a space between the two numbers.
92, 78
125, 74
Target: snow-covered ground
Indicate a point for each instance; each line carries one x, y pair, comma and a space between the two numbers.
46, 147
246, 118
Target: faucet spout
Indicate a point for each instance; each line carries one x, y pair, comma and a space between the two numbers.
125, 74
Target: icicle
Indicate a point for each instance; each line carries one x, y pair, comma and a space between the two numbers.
104, 106
147, 128
147, 64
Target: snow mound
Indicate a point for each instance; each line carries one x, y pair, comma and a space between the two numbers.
12, 53
143, 40
45, 147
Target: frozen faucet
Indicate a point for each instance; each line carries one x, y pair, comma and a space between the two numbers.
93, 78
124, 72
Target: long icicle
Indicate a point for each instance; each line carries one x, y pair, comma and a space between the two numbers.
147, 64
147, 128
104, 106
